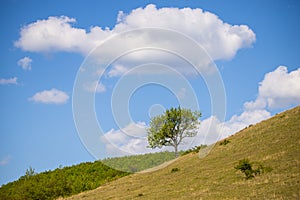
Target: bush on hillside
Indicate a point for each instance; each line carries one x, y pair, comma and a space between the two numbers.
175, 169
247, 168
224, 142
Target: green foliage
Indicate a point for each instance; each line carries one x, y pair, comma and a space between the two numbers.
139, 162
67, 181
29, 172
171, 127
60, 182
195, 149
224, 142
247, 168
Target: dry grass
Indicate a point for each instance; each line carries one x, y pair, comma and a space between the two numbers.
274, 143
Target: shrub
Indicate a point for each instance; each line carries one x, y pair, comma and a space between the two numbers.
224, 142
175, 170
247, 168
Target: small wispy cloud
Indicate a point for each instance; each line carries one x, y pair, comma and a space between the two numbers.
53, 96
118, 70
95, 87
5, 160
10, 81
25, 63
181, 93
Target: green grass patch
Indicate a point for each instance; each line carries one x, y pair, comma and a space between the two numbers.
139, 163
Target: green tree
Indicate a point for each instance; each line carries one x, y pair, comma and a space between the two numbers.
171, 127
29, 173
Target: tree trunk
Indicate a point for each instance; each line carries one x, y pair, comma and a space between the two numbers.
176, 150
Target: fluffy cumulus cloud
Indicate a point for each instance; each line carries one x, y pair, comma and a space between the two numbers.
25, 63
220, 39
9, 81
129, 140
238, 122
57, 34
279, 89
52, 96
212, 129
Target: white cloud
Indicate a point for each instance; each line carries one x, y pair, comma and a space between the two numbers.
25, 63
208, 132
238, 122
95, 86
100, 88
5, 160
279, 89
117, 70
52, 96
133, 138
259, 103
57, 34
212, 129
181, 94
129, 140
220, 39
13, 81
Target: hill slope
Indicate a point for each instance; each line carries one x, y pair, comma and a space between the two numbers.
67, 181
274, 143
60, 182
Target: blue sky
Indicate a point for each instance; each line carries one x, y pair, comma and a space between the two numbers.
46, 46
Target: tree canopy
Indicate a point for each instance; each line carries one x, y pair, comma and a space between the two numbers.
170, 128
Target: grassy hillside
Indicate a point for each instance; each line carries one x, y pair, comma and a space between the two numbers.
273, 143
60, 182
78, 178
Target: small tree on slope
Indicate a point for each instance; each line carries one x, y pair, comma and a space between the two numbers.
170, 128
